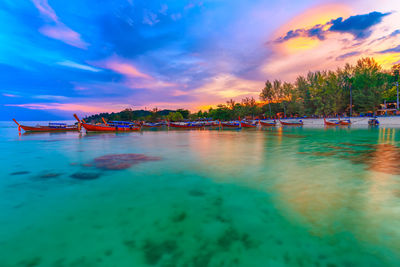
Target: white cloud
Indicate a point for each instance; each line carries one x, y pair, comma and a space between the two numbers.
75, 65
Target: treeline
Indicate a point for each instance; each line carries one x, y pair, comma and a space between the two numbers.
321, 93
365, 84
140, 115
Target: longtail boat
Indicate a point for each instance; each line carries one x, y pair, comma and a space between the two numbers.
153, 124
331, 122
292, 123
373, 122
345, 122
267, 123
230, 124
52, 127
185, 125
247, 125
108, 127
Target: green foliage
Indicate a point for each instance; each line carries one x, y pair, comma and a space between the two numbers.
175, 116
328, 92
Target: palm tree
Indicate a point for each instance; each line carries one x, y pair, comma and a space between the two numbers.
231, 103
267, 94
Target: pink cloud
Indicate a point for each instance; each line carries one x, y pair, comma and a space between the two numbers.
59, 31
10, 95
45, 9
63, 33
125, 68
87, 108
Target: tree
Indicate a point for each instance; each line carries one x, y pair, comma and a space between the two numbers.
368, 85
184, 112
267, 95
286, 93
175, 116
231, 103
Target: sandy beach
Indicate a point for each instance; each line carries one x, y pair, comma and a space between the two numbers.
390, 121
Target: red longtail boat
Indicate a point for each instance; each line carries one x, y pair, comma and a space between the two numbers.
106, 127
331, 123
52, 127
230, 124
268, 123
345, 122
292, 123
248, 125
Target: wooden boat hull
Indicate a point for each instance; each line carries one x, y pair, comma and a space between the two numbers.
152, 126
47, 129
230, 125
104, 128
345, 123
291, 123
247, 125
331, 123
179, 126
373, 122
268, 124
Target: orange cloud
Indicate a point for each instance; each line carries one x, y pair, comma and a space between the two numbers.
388, 60
311, 17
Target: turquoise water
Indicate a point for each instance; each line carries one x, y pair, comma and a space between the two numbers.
276, 197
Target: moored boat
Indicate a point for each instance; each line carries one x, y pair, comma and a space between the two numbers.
331, 122
373, 122
153, 124
267, 123
186, 125
230, 124
52, 127
108, 127
245, 124
345, 122
292, 123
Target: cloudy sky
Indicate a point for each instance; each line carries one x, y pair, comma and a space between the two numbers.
87, 56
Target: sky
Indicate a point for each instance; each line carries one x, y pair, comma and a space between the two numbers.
88, 56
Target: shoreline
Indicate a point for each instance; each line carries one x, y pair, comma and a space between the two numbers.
390, 121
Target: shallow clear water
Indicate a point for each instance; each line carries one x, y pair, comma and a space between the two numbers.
276, 197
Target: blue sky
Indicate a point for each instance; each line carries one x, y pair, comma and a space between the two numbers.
60, 57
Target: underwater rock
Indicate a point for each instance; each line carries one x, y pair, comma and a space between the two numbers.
49, 175
196, 193
121, 161
108, 252
31, 262
19, 173
179, 217
130, 243
153, 251
85, 176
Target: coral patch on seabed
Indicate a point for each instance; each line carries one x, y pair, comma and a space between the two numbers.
121, 161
